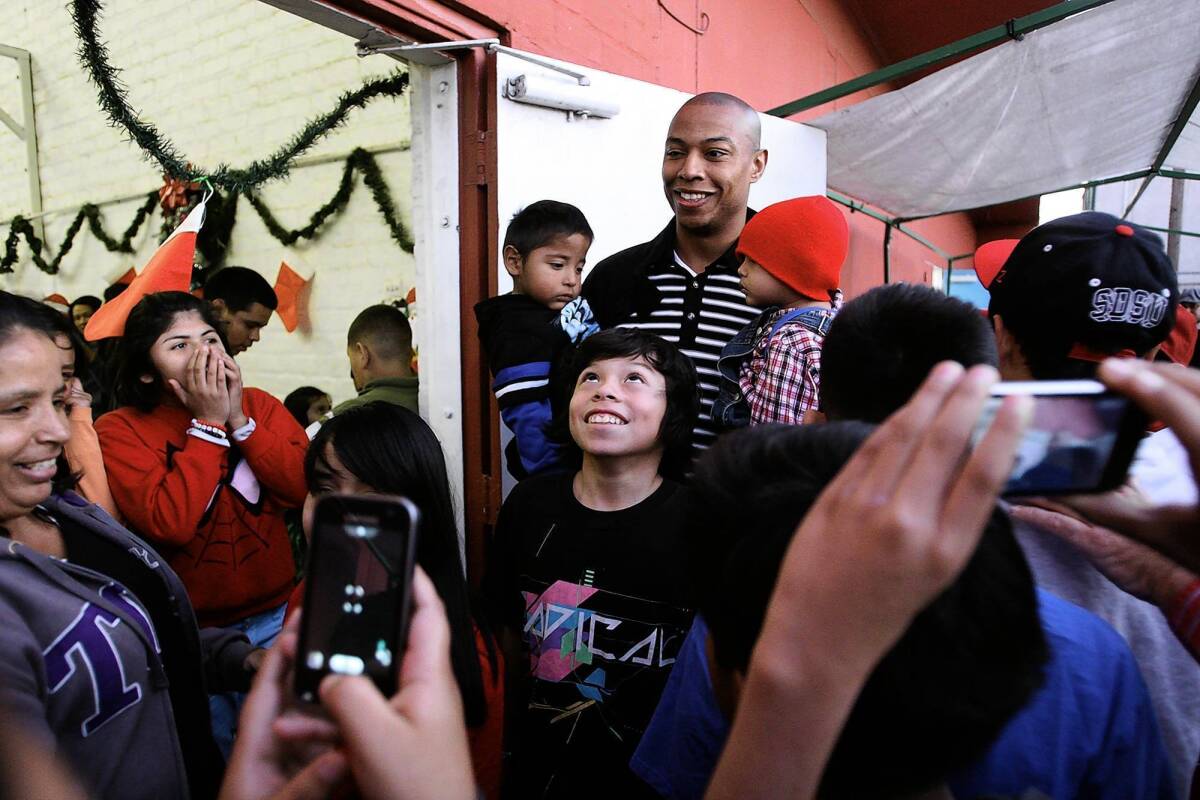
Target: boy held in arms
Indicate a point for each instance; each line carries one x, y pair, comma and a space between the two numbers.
792, 254
524, 332
586, 571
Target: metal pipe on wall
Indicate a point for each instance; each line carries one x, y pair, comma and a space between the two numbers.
1175, 220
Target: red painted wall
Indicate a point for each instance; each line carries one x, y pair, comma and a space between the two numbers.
768, 52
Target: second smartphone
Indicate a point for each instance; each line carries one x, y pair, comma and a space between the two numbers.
358, 591
1081, 439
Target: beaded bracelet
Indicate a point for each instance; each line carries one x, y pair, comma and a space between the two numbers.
212, 430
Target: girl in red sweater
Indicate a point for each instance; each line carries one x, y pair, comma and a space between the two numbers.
204, 469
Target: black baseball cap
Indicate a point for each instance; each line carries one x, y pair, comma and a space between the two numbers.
1092, 282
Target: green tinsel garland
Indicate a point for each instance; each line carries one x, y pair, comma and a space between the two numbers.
22, 227
365, 163
214, 236
115, 103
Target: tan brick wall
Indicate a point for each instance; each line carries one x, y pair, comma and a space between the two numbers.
228, 81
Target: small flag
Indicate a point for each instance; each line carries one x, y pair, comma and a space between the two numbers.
288, 287
169, 269
57, 299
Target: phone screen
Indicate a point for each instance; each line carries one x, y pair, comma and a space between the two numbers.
1080, 438
356, 597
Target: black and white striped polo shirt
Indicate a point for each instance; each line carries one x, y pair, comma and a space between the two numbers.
699, 313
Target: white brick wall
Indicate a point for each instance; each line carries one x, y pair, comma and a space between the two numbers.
228, 81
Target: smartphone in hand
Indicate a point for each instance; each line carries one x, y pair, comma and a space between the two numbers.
1081, 438
358, 591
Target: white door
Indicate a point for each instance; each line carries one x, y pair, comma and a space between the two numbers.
610, 167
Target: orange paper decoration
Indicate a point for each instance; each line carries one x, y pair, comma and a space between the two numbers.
288, 286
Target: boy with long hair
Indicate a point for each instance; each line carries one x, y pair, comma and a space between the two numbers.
586, 570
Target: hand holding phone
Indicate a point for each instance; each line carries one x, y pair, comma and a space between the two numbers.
413, 745
358, 591
410, 746
1172, 394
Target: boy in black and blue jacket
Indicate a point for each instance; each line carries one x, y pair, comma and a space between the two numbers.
523, 333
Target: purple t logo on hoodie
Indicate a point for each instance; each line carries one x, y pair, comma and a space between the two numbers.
87, 642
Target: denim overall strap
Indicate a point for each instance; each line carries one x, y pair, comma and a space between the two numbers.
819, 326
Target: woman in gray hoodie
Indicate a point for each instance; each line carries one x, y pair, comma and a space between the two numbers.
100, 656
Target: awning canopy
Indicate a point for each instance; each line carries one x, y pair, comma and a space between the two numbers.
1108, 93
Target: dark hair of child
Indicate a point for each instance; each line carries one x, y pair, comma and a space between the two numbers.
682, 399
148, 320
239, 288
91, 301
942, 694
298, 401
111, 292
540, 223
393, 451
882, 345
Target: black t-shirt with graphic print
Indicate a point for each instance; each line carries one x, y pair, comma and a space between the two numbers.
600, 601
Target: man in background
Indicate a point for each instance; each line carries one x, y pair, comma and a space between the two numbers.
379, 346
242, 301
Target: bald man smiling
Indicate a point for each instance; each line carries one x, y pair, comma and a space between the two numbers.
683, 284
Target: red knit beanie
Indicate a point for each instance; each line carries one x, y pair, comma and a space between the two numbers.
802, 242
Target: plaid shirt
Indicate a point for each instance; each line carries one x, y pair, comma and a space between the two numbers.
782, 378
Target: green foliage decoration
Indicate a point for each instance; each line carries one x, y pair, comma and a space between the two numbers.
114, 102
361, 161
22, 227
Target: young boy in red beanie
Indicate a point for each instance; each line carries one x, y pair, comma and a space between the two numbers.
792, 254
